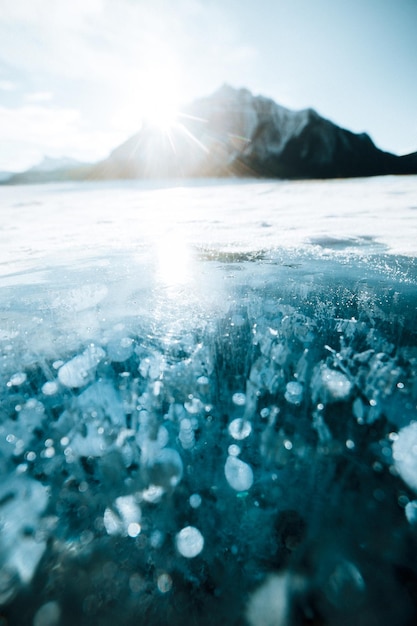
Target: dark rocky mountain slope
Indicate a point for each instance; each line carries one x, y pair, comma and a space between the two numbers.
234, 133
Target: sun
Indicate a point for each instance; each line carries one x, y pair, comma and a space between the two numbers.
159, 95
161, 113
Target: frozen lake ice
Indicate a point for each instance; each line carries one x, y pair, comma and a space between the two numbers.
208, 401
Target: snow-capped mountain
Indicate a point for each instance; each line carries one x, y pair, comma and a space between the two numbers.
233, 132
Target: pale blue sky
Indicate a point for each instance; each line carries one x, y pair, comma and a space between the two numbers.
73, 73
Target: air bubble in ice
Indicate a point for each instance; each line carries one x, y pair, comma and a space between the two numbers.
136, 583
49, 614
49, 388
80, 369
330, 385
294, 392
17, 379
186, 434
195, 500
239, 399
240, 429
233, 450
101, 399
157, 388
123, 518
189, 542
153, 494
238, 474
404, 450
22, 502
162, 436
48, 453
167, 468
411, 512
30, 417
156, 539
164, 583
91, 443
358, 409
112, 522
152, 367
133, 529
193, 406
120, 349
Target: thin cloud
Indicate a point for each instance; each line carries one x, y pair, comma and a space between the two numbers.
49, 131
107, 42
39, 12
98, 56
7, 85
39, 96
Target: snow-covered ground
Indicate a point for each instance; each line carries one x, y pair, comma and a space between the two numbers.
48, 224
208, 394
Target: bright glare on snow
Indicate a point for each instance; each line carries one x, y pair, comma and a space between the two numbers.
174, 262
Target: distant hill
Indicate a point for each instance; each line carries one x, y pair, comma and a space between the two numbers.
51, 170
51, 164
234, 133
5, 175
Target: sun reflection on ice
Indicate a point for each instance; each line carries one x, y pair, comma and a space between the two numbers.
174, 261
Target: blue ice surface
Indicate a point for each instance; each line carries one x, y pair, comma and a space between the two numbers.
183, 456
